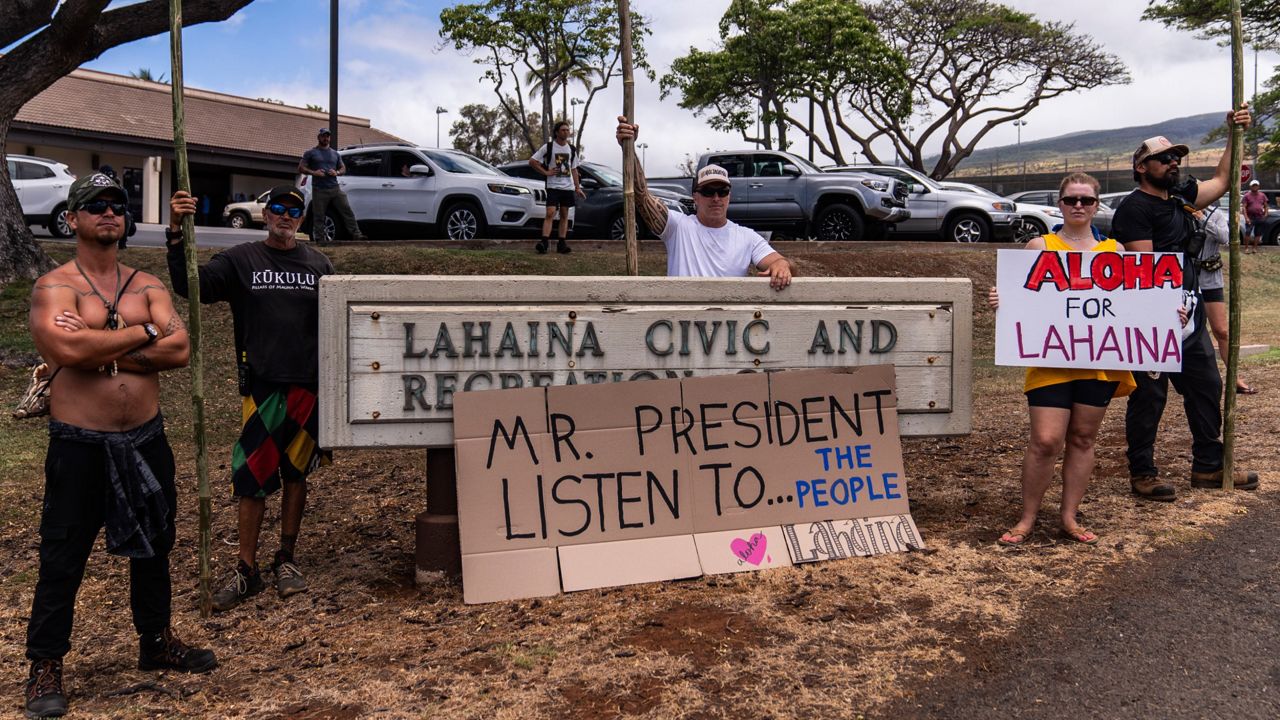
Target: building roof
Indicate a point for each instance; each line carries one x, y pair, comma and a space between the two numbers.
88, 101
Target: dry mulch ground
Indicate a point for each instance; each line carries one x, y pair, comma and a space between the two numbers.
838, 639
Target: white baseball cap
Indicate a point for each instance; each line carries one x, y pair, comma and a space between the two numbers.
712, 174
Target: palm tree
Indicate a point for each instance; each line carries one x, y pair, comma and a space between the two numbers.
145, 74
564, 70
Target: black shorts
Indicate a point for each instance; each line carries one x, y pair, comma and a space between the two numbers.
1096, 393
557, 197
1212, 295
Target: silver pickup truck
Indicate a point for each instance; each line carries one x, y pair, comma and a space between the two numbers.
787, 194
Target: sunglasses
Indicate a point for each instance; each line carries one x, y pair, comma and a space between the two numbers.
282, 209
714, 192
1166, 158
1085, 200
98, 207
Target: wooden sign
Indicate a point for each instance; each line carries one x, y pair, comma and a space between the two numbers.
396, 351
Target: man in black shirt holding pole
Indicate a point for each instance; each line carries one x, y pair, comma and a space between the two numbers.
1157, 216
273, 288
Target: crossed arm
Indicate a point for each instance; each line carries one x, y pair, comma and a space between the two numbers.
65, 339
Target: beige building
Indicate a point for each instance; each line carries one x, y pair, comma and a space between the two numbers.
237, 147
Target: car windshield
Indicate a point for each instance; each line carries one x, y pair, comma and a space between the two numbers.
608, 176
453, 161
805, 165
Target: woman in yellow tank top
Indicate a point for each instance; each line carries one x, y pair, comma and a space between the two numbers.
1066, 404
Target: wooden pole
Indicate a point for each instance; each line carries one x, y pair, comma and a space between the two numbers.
1236, 281
629, 146
193, 300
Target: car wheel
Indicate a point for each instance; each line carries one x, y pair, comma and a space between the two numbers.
1029, 228
618, 228
238, 220
59, 227
968, 229
1273, 237
463, 221
839, 222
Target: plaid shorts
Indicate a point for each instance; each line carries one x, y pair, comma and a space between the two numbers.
277, 440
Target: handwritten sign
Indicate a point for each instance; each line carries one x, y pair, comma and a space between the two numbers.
1106, 311
634, 482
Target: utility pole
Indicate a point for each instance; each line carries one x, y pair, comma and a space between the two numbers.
333, 74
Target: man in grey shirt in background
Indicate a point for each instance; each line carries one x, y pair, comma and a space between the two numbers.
324, 165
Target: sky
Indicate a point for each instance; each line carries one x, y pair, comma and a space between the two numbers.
395, 70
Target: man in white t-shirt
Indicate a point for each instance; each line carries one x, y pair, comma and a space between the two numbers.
559, 161
707, 244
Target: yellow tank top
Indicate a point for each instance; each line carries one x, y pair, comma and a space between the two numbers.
1038, 377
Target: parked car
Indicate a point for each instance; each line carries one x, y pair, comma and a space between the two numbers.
938, 213
599, 215
786, 194
42, 185
1049, 198
246, 213
1035, 219
398, 187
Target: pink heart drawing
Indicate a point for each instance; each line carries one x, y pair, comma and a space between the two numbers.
753, 550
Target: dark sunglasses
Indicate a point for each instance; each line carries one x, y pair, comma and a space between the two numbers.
97, 207
1085, 200
714, 192
282, 209
1166, 158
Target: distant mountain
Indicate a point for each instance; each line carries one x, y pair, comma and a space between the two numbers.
1091, 147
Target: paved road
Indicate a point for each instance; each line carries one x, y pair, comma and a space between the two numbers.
149, 235
1193, 634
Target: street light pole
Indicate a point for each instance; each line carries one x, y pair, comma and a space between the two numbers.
1021, 124
644, 147
439, 111
333, 74
573, 112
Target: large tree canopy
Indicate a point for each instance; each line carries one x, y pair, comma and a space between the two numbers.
64, 36
548, 41
917, 74
490, 135
1212, 18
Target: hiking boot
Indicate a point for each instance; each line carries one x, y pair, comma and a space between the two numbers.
289, 579
242, 586
562, 247
1213, 480
164, 651
541, 247
45, 697
1150, 487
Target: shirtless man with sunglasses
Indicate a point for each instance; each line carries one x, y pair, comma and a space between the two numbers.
707, 244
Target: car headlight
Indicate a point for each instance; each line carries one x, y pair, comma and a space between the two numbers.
504, 189
1003, 207
877, 185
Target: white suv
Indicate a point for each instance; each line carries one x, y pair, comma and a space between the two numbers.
460, 195
42, 187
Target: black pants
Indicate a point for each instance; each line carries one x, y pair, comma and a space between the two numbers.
75, 494
1201, 388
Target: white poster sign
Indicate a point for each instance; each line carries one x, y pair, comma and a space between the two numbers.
1099, 310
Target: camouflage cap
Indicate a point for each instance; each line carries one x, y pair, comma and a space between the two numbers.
89, 187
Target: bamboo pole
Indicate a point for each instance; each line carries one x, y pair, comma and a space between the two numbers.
193, 300
1236, 282
628, 146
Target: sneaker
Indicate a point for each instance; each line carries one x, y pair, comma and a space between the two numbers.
562, 247
164, 651
1213, 480
45, 697
541, 247
239, 588
1150, 487
289, 579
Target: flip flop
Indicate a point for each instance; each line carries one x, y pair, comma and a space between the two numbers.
1008, 538
1246, 390
1080, 535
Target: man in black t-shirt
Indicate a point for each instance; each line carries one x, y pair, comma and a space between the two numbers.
1157, 217
273, 288
325, 165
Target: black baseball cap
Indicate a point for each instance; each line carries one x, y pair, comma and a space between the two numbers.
324, 131
283, 193
89, 187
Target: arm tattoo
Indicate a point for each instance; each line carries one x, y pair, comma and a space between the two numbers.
649, 208
53, 286
175, 325
143, 361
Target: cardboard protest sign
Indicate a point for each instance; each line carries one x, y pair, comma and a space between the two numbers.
1098, 310
645, 481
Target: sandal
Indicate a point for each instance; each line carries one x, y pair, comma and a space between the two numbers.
1014, 539
1246, 390
1080, 535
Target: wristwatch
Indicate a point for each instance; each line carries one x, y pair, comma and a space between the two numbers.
170, 234
153, 334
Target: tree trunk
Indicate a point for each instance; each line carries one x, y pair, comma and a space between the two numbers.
20, 255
